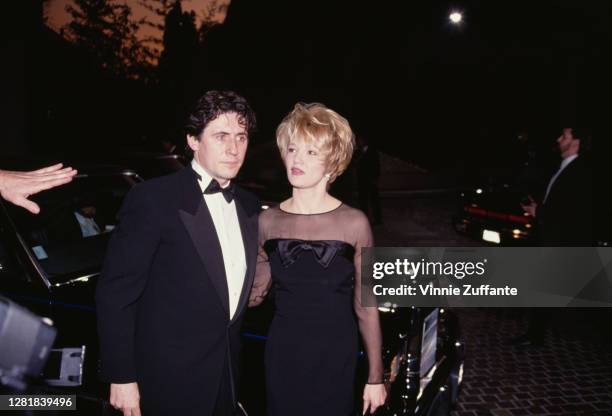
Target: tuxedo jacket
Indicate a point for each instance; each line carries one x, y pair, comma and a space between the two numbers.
566, 217
162, 298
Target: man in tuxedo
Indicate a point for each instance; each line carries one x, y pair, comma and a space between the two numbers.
177, 275
564, 217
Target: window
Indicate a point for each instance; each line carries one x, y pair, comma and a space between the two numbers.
70, 235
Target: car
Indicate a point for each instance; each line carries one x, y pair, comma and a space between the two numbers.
493, 214
424, 357
148, 164
48, 266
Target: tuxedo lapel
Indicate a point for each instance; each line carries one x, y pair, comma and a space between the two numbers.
199, 224
248, 230
563, 180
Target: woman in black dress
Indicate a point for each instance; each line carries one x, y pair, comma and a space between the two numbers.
310, 250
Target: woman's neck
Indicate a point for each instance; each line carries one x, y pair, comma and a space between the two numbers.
310, 201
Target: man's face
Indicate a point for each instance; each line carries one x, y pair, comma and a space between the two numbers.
221, 148
568, 145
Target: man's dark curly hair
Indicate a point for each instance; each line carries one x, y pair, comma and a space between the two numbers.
214, 103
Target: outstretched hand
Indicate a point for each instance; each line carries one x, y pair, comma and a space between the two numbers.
17, 187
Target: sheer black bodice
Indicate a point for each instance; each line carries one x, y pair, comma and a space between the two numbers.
313, 261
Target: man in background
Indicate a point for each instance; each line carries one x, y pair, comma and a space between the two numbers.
564, 216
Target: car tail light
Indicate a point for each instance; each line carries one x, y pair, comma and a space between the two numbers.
497, 215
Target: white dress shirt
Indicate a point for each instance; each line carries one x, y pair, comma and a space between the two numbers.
88, 225
564, 164
225, 218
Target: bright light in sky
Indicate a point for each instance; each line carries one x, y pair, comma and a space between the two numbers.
456, 17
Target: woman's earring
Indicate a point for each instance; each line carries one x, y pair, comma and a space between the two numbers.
327, 176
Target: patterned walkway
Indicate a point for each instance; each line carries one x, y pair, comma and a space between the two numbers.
571, 374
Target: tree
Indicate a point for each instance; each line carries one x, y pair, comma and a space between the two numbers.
179, 41
159, 10
106, 30
176, 64
213, 9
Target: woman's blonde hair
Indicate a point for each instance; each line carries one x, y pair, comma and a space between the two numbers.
327, 129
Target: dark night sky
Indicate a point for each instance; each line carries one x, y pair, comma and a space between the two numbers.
404, 76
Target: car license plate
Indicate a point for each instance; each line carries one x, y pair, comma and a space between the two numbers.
491, 236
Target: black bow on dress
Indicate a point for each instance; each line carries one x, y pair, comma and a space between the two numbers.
324, 250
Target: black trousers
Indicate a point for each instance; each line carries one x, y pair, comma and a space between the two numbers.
225, 404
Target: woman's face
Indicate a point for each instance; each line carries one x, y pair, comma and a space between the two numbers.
305, 164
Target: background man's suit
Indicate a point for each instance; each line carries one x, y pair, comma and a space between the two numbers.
163, 305
565, 218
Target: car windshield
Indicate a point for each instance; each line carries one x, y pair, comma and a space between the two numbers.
70, 235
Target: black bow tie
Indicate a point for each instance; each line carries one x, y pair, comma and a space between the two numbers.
214, 187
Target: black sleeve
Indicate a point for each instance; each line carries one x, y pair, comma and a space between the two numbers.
366, 311
263, 273
121, 283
